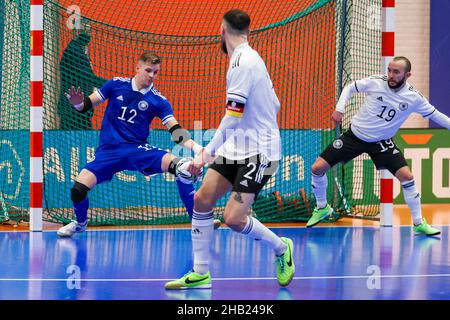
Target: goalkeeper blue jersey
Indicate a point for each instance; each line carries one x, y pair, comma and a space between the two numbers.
130, 111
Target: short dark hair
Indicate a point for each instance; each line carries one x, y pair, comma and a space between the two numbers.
238, 20
406, 61
150, 57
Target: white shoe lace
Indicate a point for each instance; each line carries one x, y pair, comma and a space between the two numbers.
73, 226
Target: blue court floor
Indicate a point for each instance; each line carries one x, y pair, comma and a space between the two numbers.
331, 263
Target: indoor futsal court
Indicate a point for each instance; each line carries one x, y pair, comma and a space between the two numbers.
340, 262
356, 95
334, 262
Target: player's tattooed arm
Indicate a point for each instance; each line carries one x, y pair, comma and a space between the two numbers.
238, 197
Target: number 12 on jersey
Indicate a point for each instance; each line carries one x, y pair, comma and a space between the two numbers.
130, 118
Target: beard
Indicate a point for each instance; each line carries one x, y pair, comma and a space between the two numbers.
223, 46
398, 85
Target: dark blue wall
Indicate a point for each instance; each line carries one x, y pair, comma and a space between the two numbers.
440, 56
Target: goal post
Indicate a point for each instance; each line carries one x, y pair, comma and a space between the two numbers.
387, 54
36, 112
310, 52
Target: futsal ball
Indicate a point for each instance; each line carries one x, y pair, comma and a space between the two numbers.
182, 172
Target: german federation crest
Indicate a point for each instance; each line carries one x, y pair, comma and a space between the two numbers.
403, 106
143, 105
337, 144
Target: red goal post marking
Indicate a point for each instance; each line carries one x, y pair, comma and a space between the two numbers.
36, 112
387, 53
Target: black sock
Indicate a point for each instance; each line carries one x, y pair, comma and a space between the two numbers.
173, 166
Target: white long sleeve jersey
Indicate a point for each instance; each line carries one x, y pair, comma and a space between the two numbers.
384, 110
252, 97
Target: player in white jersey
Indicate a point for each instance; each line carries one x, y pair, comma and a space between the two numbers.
390, 100
245, 150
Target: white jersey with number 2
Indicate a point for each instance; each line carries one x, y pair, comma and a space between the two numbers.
250, 95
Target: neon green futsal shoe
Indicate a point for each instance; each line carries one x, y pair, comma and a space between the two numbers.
191, 280
285, 264
318, 215
425, 228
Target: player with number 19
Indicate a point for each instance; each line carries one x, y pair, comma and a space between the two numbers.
389, 101
132, 105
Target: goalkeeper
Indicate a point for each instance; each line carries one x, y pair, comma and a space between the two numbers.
132, 105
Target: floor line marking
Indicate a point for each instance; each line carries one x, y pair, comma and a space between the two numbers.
71, 279
225, 228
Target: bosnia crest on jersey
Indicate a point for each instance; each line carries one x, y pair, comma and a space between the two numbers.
403, 106
143, 105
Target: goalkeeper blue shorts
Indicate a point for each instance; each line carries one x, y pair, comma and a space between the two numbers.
110, 159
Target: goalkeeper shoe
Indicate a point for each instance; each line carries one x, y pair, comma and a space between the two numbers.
318, 215
285, 264
71, 228
425, 228
191, 280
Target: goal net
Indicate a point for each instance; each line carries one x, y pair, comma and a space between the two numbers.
311, 48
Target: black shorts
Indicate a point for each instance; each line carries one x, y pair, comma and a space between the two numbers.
248, 175
385, 154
